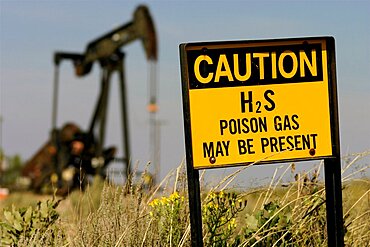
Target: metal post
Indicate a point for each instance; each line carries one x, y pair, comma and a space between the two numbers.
333, 180
194, 206
334, 209
54, 132
124, 121
192, 174
156, 150
98, 106
153, 121
103, 109
2, 155
55, 97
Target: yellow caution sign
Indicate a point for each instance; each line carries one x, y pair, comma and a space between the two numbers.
257, 101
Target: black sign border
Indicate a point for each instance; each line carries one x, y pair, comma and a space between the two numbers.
332, 90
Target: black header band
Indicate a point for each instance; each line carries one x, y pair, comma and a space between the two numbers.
249, 66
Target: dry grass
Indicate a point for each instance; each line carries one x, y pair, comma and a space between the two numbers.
108, 215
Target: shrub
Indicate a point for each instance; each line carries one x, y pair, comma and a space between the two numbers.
219, 218
22, 226
168, 214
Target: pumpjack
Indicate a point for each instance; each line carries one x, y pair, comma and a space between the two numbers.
72, 152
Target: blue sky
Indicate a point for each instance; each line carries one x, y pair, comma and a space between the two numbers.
31, 31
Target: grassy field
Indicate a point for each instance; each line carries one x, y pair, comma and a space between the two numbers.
280, 214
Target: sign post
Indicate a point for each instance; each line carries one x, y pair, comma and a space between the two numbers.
195, 207
334, 209
268, 101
